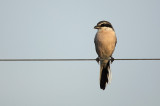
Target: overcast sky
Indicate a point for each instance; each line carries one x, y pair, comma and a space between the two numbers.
64, 29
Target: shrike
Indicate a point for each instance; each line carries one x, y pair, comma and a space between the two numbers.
105, 42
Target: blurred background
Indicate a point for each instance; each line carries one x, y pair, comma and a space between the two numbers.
64, 29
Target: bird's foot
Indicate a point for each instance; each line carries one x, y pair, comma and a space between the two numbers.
98, 59
112, 59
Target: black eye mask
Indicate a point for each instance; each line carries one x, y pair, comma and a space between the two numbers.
106, 25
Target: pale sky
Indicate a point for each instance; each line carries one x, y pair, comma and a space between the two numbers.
64, 29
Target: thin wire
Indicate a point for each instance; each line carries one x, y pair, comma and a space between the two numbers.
47, 59
140, 59
70, 59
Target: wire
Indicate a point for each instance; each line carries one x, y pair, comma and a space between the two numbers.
140, 59
71, 59
47, 59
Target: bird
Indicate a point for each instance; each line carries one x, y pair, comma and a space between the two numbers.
105, 43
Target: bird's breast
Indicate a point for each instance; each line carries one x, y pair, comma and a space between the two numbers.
105, 41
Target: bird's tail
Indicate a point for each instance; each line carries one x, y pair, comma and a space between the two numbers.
105, 73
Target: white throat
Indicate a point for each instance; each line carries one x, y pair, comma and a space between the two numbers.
105, 29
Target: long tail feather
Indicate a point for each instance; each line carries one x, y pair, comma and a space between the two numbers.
105, 75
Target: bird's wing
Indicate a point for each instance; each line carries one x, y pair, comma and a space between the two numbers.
116, 42
96, 46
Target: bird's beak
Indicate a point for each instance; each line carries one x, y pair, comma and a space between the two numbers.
96, 27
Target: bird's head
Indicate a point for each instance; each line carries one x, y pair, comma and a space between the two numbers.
103, 24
